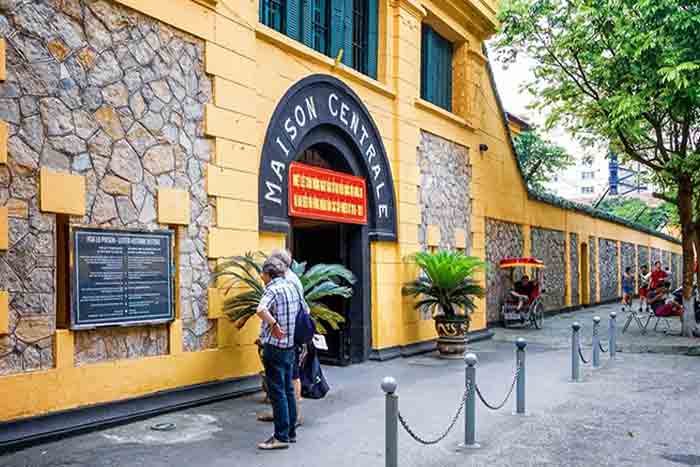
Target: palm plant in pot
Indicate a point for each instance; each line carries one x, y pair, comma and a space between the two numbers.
446, 289
239, 277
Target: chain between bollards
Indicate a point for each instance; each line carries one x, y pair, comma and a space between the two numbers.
392, 426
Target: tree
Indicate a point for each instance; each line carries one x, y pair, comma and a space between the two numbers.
635, 209
623, 71
539, 159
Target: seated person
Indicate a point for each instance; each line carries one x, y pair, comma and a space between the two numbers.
663, 307
523, 290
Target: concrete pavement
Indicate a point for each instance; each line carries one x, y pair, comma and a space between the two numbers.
641, 410
557, 332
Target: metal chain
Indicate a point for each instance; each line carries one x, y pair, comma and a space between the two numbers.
425, 442
600, 345
580, 354
510, 392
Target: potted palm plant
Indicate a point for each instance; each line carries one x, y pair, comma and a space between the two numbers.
239, 277
446, 289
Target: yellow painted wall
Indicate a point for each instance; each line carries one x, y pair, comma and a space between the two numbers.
252, 66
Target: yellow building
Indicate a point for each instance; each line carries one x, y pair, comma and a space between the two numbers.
143, 141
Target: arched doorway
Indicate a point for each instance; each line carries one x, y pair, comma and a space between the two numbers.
321, 122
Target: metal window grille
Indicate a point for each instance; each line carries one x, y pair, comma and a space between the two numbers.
319, 25
360, 33
272, 14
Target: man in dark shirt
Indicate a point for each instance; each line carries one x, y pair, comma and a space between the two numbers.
522, 290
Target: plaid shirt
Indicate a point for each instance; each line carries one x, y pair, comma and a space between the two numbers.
282, 300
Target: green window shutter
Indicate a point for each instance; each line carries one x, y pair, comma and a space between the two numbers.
436, 68
337, 32
307, 28
347, 32
428, 77
293, 19
372, 37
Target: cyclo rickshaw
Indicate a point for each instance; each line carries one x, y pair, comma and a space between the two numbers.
532, 311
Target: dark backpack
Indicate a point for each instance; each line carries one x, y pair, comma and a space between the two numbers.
304, 328
313, 383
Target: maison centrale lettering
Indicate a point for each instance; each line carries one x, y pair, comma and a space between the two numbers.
306, 114
321, 110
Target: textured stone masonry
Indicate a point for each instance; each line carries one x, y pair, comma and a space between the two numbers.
503, 240
593, 269
97, 90
550, 247
444, 195
574, 270
608, 269
629, 259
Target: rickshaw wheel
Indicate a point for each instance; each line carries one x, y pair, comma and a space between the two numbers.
537, 316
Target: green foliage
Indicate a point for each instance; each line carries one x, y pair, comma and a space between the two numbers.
320, 281
539, 159
624, 71
636, 210
446, 285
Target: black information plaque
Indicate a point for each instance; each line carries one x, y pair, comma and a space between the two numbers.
121, 278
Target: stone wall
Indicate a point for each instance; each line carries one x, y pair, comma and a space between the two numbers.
550, 247
444, 189
643, 256
629, 258
574, 269
609, 269
503, 240
666, 261
593, 269
98, 90
676, 268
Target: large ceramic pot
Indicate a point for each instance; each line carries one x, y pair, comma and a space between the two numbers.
451, 331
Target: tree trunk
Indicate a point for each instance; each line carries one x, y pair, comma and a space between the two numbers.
685, 211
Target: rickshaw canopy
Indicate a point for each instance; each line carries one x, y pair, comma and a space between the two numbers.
526, 262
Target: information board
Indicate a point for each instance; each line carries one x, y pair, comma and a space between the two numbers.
121, 277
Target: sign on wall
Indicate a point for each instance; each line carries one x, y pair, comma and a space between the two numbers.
121, 277
322, 110
316, 193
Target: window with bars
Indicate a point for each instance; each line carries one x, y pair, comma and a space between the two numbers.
359, 35
329, 26
272, 14
319, 25
436, 68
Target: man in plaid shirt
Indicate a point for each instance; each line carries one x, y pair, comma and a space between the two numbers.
278, 311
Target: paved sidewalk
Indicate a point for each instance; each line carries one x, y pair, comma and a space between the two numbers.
641, 410
557, 333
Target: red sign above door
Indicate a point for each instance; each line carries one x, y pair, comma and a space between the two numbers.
326, 195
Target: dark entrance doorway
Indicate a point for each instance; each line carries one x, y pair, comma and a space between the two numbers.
316, 242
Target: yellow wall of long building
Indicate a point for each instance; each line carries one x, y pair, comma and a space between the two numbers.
252, 67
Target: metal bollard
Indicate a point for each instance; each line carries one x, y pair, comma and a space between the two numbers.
470, 409
612, 335
575, 364
596, 342
392, 417
520, 384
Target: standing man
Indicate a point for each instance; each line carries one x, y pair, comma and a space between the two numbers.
644, 278
286, 258
278, 310
658, 276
